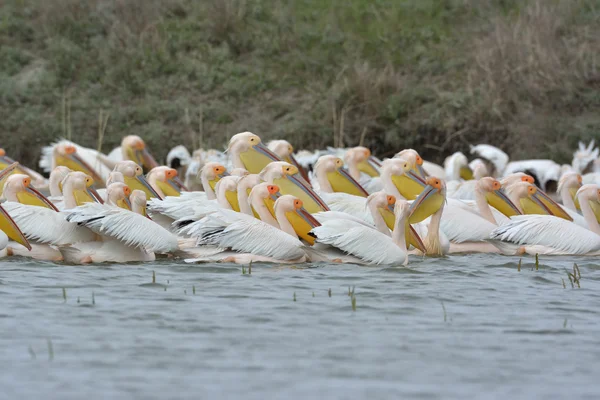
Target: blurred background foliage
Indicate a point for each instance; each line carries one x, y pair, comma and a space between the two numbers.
434, 75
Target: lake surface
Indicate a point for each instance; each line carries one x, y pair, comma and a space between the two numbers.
444, 328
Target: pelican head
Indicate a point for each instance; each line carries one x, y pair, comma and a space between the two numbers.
65, 154
117, 194
286, 176
138, 201
134, 149
264, 193
533, 200
332, 169
429, 201
162, 180
282, 149
515, 178
589, 192
300, 220
357, 157
56, 177
133, 176
382, 203
415, 161
398, 172
18, 189
496, 197
80, 186
209, 175
247, 151
285, 151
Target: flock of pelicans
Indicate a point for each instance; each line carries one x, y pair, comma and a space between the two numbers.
259, 202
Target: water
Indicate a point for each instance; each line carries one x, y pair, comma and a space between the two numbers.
453, 328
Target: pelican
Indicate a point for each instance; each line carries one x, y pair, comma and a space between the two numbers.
416, 163
365, 243
162, 179
88, 195
253, 238
76, 158
286, 176
430, 203
172, 208
285, 151
468, 228
43, 226
332, 177
456, 167
531, 200
124, 236
546, 234
247, 151
496, 159
546, 173
17, 188
400, 180
6, 161
133, 176
132, 148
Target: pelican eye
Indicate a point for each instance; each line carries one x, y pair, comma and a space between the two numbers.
391, 199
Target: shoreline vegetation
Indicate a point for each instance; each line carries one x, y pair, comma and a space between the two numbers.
434, 75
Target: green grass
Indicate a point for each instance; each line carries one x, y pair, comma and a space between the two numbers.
430, 74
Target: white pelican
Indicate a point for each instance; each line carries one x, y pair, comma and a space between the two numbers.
496, 158
247, 151
132, 148
162, 179
456, 167
254, 239
398, 178
466, 227
416, 163
173, 208
6, 161
285, 151
546, 173
531, 200
545, 234
430, 203
123, 235
332, 177
43, 226
76, 158
133, 176
366, 243
290, 182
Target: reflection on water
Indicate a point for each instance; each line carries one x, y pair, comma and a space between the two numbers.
457, 327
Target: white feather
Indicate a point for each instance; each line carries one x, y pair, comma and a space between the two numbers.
549, 234
43, 225
354, 238
246, 234
128, 227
